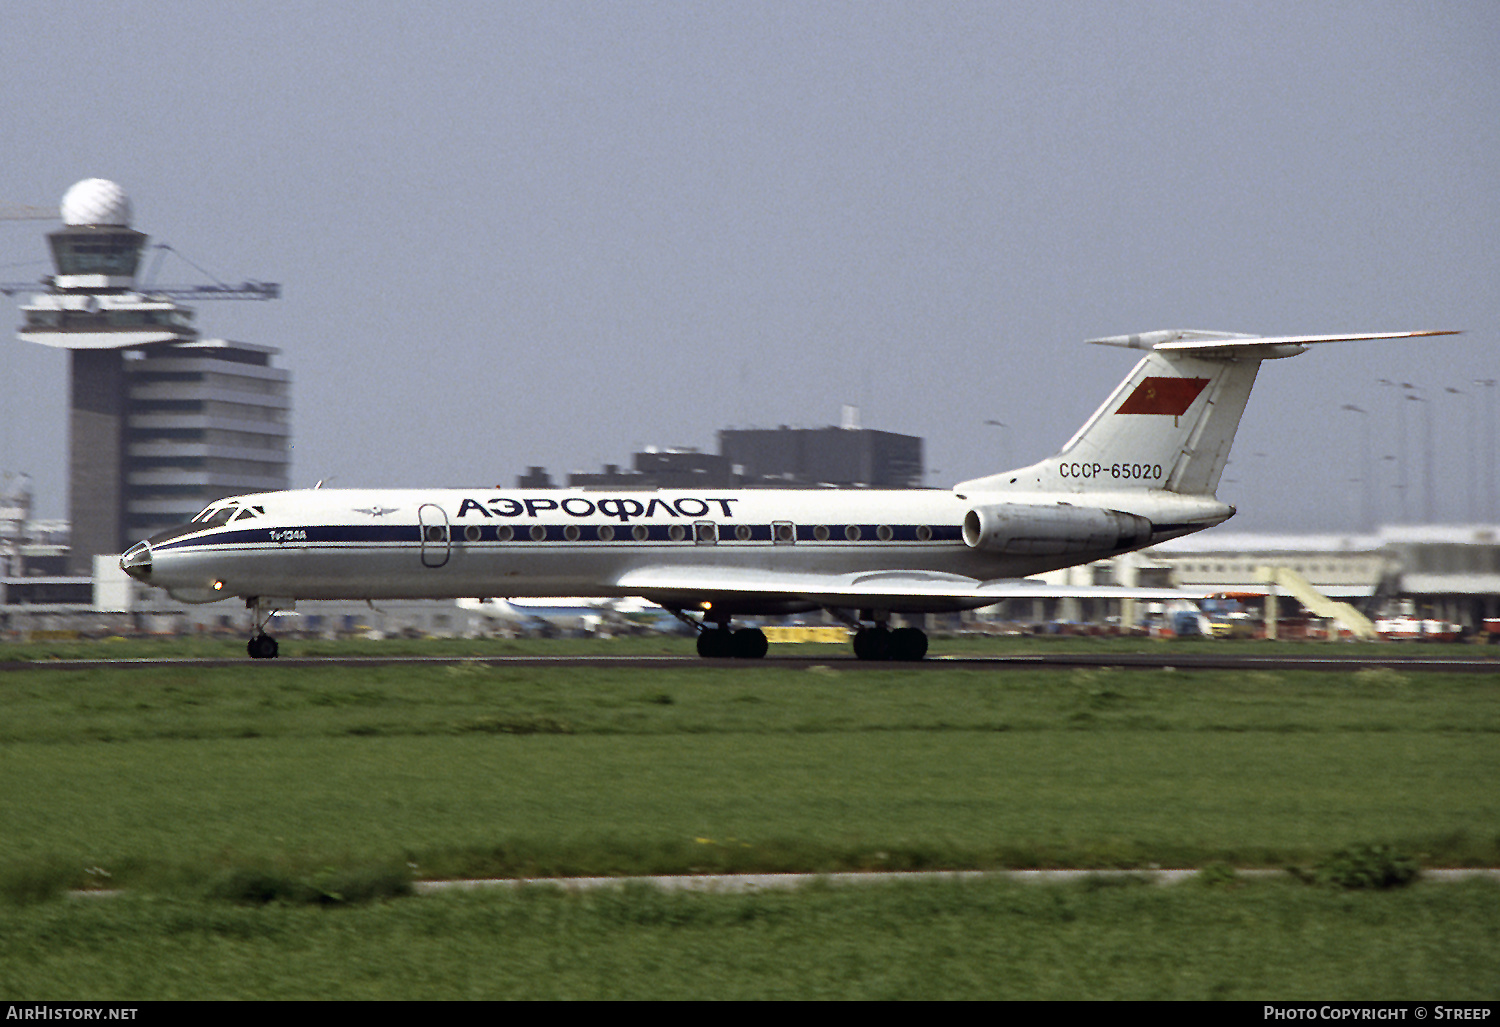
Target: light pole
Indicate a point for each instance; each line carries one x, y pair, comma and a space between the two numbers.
1364, 464
1400, 442
1468, 452
1001, 455
1491, 511
1427, 487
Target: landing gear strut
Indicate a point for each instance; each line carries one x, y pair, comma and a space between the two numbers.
261, 645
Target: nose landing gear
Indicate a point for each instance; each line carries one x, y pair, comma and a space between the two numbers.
261, 645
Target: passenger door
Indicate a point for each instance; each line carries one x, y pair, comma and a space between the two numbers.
436, 544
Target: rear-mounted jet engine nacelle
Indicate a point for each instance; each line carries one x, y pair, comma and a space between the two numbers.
1051, 530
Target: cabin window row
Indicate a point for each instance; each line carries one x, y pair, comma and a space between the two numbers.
782, 532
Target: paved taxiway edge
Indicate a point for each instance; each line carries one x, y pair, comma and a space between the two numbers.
741, 883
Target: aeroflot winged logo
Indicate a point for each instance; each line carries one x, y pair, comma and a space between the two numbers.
1163, 396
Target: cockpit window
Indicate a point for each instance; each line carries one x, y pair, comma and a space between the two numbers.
215, 516
223, 513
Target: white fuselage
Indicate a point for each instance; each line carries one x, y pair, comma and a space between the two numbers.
387, 544
1143, 469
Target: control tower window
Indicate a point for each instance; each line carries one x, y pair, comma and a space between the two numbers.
99, 257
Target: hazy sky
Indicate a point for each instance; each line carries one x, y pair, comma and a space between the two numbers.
554, 233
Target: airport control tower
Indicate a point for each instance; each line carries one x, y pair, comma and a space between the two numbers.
161, 422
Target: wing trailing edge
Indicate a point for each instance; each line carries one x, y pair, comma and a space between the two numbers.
901, 591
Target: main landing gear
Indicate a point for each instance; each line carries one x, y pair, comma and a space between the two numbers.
744, 644
878, 642
883, 643
720, 642
261, 645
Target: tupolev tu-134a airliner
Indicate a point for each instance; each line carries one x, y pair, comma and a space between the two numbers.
1143, 469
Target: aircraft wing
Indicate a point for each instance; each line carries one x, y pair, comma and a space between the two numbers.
898, 590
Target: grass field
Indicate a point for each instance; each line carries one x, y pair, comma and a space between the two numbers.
980, 940
172, 781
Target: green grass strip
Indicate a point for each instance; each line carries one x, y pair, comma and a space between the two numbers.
936, 940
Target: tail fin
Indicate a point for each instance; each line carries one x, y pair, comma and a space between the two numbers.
1170, 423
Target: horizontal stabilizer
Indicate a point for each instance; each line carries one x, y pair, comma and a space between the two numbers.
1224, 344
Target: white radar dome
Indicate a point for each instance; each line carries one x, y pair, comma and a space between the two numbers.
96, 201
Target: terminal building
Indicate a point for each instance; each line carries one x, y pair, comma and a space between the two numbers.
1449, 571
843, 456
161, 422
1442, 572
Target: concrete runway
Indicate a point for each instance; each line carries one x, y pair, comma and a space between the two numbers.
1466, 664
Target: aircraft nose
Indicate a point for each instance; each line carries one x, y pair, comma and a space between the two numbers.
137, 561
